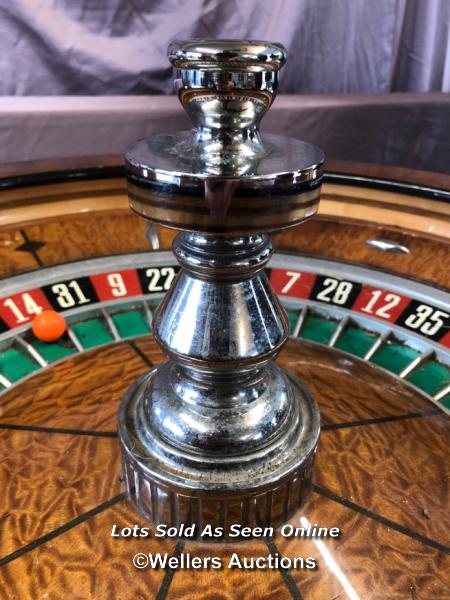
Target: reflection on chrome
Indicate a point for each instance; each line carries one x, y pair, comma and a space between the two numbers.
332, 564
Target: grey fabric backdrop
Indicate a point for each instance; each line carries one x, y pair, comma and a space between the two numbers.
92, 47
346, 57
409, 130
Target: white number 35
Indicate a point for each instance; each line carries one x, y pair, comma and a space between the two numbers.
427, 319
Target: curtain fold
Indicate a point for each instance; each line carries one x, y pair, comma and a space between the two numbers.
423, 60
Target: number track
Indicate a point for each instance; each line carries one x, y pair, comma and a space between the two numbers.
394, 325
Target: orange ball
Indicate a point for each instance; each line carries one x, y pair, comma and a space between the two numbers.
49, 326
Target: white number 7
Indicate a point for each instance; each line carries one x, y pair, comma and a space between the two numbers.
294, 276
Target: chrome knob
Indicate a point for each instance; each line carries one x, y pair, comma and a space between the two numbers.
223, 176
252, 56
226, 87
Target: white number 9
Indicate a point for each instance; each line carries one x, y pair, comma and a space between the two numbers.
117, 285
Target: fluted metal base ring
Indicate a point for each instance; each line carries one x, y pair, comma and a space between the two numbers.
180, 485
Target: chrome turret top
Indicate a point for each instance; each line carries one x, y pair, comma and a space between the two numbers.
224, 176
226, 87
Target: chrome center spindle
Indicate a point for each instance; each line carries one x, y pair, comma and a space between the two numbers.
221, 434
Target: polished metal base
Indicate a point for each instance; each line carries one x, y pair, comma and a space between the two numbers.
207, 484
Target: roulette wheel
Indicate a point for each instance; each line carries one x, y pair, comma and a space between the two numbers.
364, 287
379, 370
